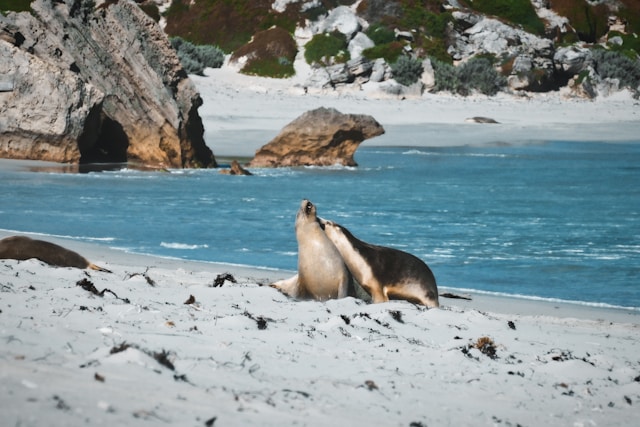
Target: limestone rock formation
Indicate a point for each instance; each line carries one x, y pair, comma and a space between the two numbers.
235, 169
320, 137
96, 84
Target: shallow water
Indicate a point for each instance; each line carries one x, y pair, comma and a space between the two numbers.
555, 220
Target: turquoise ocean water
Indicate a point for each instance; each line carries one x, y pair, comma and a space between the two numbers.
555, 220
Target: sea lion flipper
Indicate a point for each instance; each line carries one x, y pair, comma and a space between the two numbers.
98, 268
287, 286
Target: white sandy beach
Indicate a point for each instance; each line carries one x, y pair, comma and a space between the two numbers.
164, 346
244, 354
242, 113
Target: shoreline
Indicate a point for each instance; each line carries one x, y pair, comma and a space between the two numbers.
242, 113
480, 300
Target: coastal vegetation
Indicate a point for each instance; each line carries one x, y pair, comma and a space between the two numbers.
195, 58
15, 5
407, 70
229, 24
519, 12
386, 45
327, 49
269, 54
616, 65
475, 75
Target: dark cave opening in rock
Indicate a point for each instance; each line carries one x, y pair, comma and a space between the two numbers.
103, 140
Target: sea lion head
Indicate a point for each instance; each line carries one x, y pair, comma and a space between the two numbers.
330, 228
307, 213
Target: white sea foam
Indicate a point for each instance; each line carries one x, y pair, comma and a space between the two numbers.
545, 299
182, 246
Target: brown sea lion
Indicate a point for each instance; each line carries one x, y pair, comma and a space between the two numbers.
322, 274
22, 248
385, 273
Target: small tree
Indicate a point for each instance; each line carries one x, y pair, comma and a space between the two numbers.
406, 70
479, 74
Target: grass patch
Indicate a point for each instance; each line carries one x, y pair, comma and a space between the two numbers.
15, 5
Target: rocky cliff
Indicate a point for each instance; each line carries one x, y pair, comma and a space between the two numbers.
82, 83
321, 137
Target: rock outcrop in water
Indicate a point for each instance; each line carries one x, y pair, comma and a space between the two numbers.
83, 84
320, 137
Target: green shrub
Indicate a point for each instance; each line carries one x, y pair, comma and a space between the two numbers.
380, 34
406, 70
322, 47
195, 58
630, 42
389, 51
15, 5
616, 65
419, 17
477, 74
270, 67
437, 48
446, 77
519, 12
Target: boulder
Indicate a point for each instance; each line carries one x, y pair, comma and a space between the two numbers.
358, 44
428, 77
331, 76
96, 84
572, 60
341, 19
359, 66
486, 35
380, 71
320, 137
235, 169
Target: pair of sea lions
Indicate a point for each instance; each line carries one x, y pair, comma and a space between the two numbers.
330, 257
22, 248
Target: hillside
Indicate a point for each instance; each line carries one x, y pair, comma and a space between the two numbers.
586, 47
461, 46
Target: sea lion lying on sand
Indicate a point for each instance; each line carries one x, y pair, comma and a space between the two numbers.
22, 248
322, 274
385, 273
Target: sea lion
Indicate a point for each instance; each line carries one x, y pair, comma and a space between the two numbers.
322, 274
479, 119
385, 273
22, 248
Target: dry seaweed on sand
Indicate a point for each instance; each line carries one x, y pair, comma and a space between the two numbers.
88, 286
